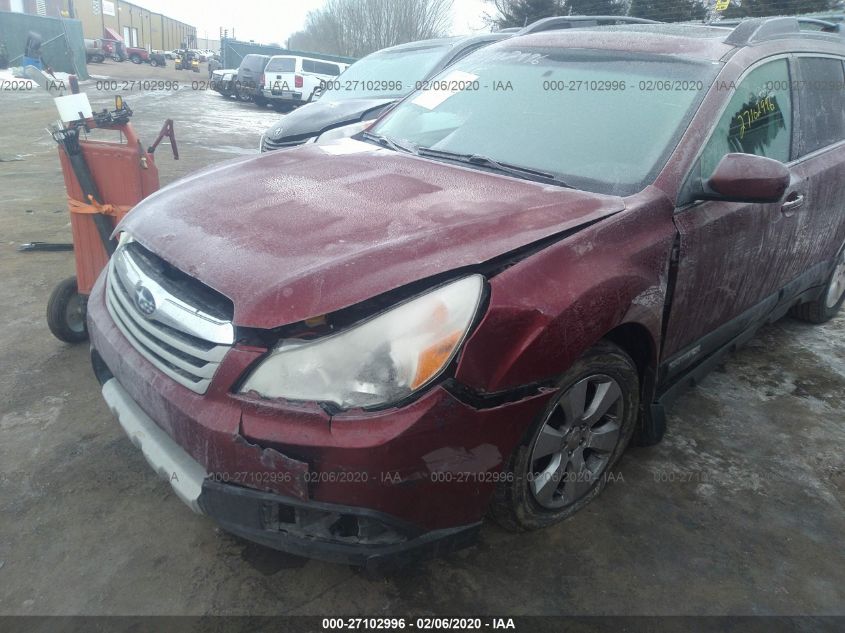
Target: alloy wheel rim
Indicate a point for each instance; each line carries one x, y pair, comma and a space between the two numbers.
578, 438
837, 282
75, 314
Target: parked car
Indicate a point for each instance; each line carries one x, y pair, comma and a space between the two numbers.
355, 351
224, 81
352, 101
248, 82
137, 55
290, 80
94, 51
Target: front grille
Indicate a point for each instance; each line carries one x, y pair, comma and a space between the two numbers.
184, 332
268, 145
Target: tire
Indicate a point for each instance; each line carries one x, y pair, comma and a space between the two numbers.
537, 494
66, 311
828, 304
260, 101
135, 59
98, 59
154, 63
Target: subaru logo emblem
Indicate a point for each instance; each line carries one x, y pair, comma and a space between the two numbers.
277, 133
144, 300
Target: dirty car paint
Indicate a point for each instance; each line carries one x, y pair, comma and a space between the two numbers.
322, 232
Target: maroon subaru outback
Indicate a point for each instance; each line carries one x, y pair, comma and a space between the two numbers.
354, 351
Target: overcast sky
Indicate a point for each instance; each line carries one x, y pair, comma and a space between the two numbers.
275, 20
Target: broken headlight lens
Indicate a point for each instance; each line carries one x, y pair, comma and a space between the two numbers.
379, 361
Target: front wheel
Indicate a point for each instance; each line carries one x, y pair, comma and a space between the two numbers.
564, 461
153, 63
830, 301
135, 59
66, 312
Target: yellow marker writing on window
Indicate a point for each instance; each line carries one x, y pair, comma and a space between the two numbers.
721, 5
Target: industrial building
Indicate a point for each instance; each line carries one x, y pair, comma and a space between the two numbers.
113, 19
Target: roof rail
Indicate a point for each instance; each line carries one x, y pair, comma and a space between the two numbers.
755, 30
572, 21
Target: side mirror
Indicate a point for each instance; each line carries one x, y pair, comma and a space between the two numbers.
747, 178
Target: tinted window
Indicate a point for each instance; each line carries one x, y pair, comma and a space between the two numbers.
323, 68
820, 100
254, 62
308, 66
758, 119
282, 65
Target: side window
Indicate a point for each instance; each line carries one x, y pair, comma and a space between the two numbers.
308, 66
758, 119
324, 68
821, 104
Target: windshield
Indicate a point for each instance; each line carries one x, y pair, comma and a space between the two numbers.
385, 74
603, 121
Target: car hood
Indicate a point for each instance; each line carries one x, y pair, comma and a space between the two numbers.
293, 235
314, 118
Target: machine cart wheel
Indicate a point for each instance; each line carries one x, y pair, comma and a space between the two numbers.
66, 311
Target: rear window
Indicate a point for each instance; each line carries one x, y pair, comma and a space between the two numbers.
281, 65
254, 62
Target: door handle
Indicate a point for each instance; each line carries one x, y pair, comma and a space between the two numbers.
794, 202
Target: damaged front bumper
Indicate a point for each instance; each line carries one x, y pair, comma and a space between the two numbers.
361, 488
331, 532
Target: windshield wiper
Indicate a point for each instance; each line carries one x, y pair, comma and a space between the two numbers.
504, 168
390, 143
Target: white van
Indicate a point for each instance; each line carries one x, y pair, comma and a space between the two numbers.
290, 80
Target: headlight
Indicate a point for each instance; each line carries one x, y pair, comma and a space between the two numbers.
343, 132
379, 361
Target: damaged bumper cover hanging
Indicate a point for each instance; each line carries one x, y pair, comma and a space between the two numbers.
325, 531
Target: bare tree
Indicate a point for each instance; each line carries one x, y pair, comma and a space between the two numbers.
359, 27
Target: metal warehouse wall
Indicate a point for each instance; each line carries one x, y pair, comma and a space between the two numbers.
234, 51
61, 53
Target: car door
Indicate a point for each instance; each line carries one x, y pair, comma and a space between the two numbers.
730, 263
310, 78
325, 72
820, 160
